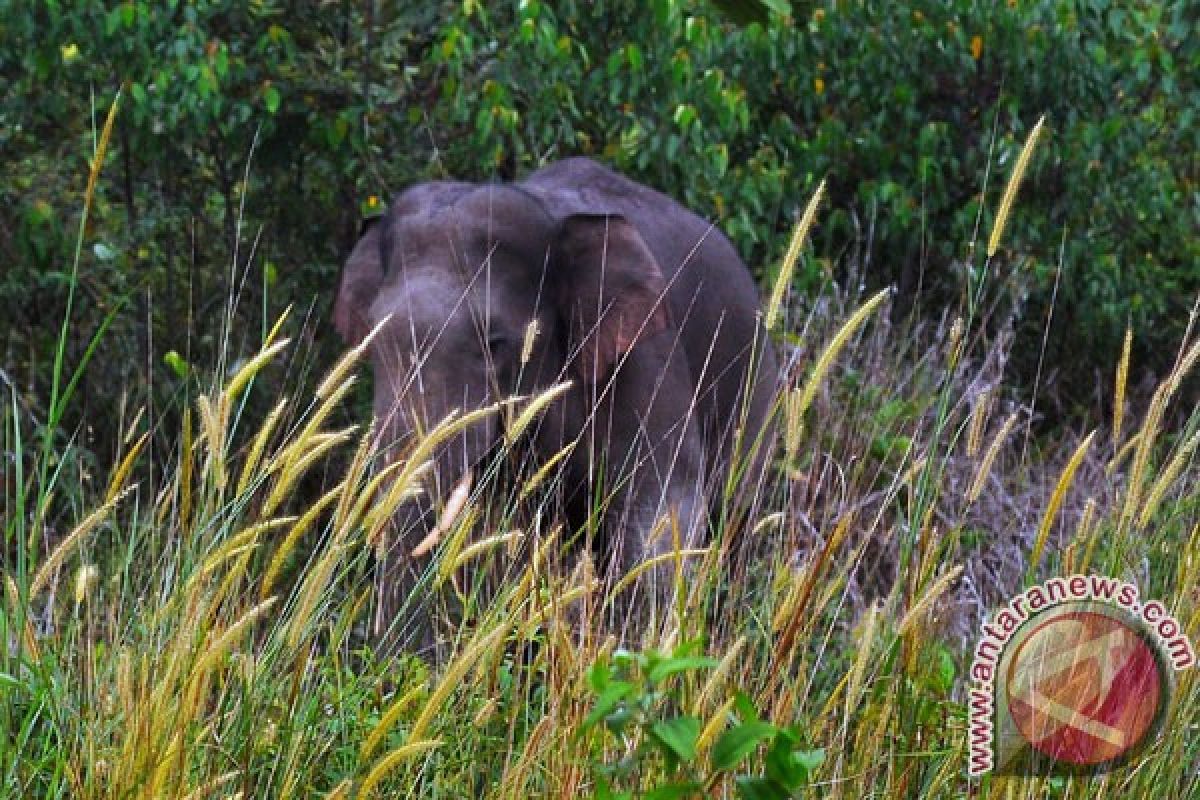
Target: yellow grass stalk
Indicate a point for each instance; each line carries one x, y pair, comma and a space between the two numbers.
799, 234
214, 421
418, 461
318, 446
302, 441
558, 603
1086, 535
714, 726
293, 537
453, 676
483, 546
718, 676
534, 571
956, 341
454, 545
535, 406
391, 761
454, 506
1148, 434
363, 454
1122, 454
1056, 501
669, 557
50, 566
251, 368
797, 602
315, 581
14, 602
916, 613
336, 377
341, 791
209, 788
1121, 383
531, 333
366, 496
101, 150
258, 446
858, 670
979, 417
86, 578
514, 780
185, 473
232, 635
800, 404
989, 456
1010, 191
546, 469
1168, 477
122, 472
235, 545
388, 720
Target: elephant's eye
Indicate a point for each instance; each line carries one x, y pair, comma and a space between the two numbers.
498, 345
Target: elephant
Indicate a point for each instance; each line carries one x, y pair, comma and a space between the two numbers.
645, 307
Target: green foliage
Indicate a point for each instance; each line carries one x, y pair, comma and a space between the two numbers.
637, 697
253, 134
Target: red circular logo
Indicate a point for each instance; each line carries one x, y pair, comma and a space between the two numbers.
1084, 687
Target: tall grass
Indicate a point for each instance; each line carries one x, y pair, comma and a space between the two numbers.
207, 636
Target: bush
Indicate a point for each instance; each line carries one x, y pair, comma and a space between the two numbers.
250, 134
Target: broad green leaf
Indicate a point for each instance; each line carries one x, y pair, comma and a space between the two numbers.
678, 736
738, 742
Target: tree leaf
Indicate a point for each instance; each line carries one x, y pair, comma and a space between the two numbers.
738, 742
678, 736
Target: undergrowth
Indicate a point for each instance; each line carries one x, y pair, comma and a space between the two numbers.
200, 631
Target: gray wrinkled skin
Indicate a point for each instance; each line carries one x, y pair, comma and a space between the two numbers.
644, 306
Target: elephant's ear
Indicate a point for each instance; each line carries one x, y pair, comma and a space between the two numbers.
361, 277
612, 289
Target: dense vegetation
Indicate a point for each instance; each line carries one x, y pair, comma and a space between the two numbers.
252, 133
188, 511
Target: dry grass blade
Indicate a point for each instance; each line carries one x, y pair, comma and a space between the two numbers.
1122, 381
391, 761
293, 537
1010, 190
719, 674
533, 408
388, 720
669, 557
979, 417
230, 637
922, 607
252, 367
453, 676
122, 473
347, 362
792, 255
1056, 501
101, 150
799, 404
259, 445
989, 456
484, 545
318, 446
858, 670
48, 568
1167, 478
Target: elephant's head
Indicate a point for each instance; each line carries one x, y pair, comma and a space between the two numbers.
461, 273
